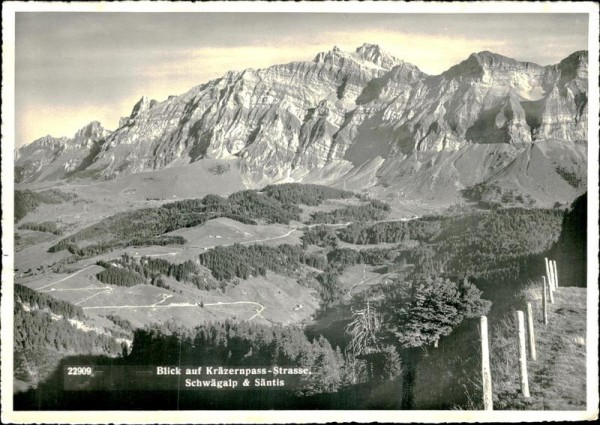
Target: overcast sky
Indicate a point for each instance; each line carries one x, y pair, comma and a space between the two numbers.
73, 68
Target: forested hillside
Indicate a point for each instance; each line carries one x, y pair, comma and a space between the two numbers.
27, 200
47, 329
373, 211
571, 248
37, 300
130, 271
337, 375
394, 232
305, 194
496, 245
487, 244
147, 226
243, 344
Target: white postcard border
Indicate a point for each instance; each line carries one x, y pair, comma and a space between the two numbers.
8, 137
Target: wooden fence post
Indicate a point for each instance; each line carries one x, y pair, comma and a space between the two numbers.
531, 332
550, 281
486, 375
522, 355
555, 274
550, 292
548, 276
545, 300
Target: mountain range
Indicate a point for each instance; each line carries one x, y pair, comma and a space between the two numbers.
489, 129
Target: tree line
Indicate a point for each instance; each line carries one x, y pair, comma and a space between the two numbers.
306, 194
496, 245
373, 211
25, 295
37, 329
489, 245
130, 271
243, 344
42, 322
323, 236
44, 226
28, 200
243, 261
390, 232
571, 246
117, 275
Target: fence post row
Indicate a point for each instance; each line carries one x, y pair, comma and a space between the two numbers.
552, 272
522, 355
548, 274
486, 376
485, 367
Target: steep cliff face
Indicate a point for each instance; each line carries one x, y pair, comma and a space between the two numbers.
363, 115
564, 110
468, 125
276, 120
52, 158
489, 98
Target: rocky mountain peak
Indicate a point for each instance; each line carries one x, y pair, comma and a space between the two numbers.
93, 130
469, 68
368, 48
374, 53
142, 106
47, 141
332, 57
573, 74
479, 63
576, 64
367, 55
50, 158
491, 60
580, 55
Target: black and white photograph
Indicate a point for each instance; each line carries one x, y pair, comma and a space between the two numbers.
352, 211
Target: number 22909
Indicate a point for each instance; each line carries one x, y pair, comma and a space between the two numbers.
79, 370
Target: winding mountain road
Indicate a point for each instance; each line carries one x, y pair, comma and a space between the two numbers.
258, 309
104, 291
214, 246
64, 278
